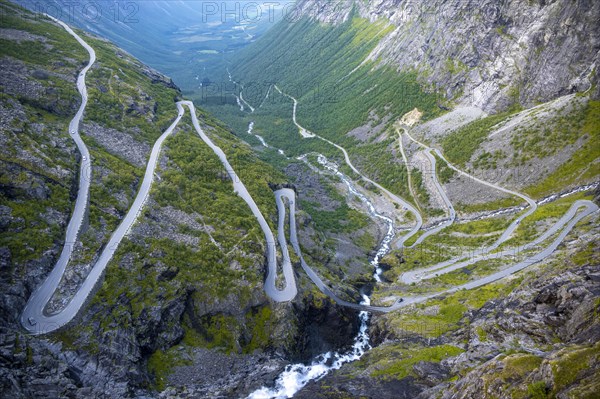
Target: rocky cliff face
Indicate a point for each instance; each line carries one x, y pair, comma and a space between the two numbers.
487, 53
186, 288
537, 337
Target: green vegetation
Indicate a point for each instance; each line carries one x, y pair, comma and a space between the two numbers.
460, 239
443, 314
419, 186
30, 234
502, 203
231, 335
467, 273
444, 172
187, 186
460, 145
586, 256
572, 363
121, 97
455, 66
488, 160
482, 226
481, 334
366, 241
321, 66
584, 164
342, 219
309, 67
465, 239
203, 190
195, 182
414, 238
512, 372
124, 97
558, 132
408, 357
259, 322
537, 390
447, 319
34, 190
519, 365
218, 331
161, 363
376, 161
58, 44
337, 216
534, 225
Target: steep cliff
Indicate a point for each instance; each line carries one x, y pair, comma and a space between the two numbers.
181, 309
534, 335
185, 287
485, 53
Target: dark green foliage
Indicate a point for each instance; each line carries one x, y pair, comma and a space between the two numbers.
583, 165
541, 141
445, 173
460, 145
320, 65
537, 390
342, 219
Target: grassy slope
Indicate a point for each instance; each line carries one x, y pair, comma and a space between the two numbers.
584, 165
191, 182
541, 141
44, 122
320, 66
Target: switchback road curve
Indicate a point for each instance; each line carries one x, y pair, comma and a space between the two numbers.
35, 320
34, 317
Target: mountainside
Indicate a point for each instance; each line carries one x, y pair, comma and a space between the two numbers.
183, 40
490, 54
331, 59
508, 93
442, 166
186, 285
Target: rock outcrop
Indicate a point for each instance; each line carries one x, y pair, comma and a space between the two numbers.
489, 53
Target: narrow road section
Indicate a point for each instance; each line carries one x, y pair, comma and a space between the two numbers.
31, 318
451, 211
37, 321
34, 317
442, 192
290, 290
409, 175
406, 206
564, 225
417, 275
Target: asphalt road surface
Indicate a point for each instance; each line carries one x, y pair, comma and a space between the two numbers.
37, 321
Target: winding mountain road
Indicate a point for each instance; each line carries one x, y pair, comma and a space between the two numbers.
409, 175
416, 275
566, 223
31, 317
37, 321
393, 197
290, 290
305, 133
34, 317
442, 192
433, 272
